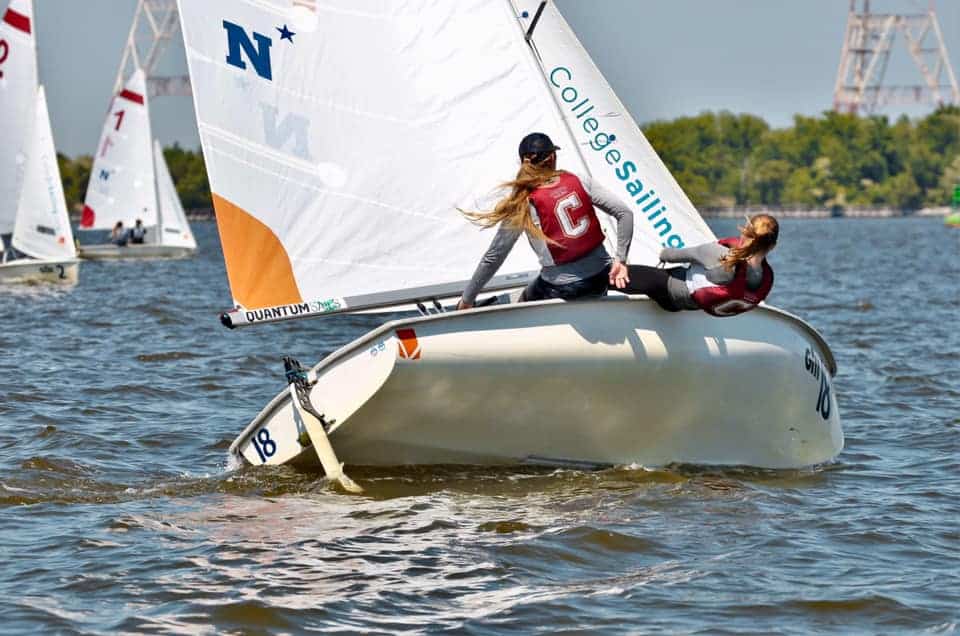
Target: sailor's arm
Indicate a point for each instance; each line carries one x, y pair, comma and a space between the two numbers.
707, 254
503, 241
611, 204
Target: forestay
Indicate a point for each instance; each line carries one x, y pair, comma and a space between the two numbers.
18, 87
340, 138
615, 150
122, 185
174, 228
42, 228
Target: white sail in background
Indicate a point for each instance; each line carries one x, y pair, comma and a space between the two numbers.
42, 228
122, 185
175, 231
613, 146
18, 89
340, 138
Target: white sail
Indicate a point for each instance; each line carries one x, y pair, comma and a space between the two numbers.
612, 145
340, 138
122, 185
174, 229
18, 89
42, 228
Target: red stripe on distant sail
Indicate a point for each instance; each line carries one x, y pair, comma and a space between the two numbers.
133, 97
88, 217
18, 21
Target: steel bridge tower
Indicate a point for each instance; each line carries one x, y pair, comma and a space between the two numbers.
155, 25
867, 44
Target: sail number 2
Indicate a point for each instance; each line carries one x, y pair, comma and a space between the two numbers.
264, 445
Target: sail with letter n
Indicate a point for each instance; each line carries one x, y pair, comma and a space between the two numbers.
341, 137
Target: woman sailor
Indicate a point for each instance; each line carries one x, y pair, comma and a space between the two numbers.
725, 278
555, 209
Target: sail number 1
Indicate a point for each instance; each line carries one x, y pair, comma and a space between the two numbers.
264, 445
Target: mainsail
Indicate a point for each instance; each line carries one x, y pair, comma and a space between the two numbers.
174, 229
615, 150
122, 184
18, 88
42, 228
337, 167
341, 137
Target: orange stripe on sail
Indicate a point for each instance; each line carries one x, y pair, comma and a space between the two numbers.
258, 267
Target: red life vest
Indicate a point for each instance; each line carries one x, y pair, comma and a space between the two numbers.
567, 218
734, 297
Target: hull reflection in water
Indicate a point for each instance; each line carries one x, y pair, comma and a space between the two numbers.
29, 270
610, 381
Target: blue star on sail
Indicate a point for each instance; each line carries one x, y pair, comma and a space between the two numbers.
286, 34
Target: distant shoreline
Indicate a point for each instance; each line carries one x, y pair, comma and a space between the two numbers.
736, 212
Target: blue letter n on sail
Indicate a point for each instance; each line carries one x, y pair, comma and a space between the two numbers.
258, 55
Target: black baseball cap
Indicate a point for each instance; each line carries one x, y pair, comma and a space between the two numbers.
536, 144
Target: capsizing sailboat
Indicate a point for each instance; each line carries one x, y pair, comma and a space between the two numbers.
340, 139
130, 181
33, 209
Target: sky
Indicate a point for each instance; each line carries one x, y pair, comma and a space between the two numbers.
664, 58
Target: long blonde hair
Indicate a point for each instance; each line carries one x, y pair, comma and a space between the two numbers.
759, 234
514, 209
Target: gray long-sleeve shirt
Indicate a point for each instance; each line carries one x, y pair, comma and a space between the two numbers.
704, 259
565, 273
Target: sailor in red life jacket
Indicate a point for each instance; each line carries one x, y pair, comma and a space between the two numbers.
725, 278
555, 209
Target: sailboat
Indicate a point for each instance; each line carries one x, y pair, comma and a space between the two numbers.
130, 181
32, 204
340, 141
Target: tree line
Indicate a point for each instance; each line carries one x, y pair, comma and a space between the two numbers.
724, 159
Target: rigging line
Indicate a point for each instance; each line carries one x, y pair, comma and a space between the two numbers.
536, 19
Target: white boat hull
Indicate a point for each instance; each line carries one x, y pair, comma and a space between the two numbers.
108, 251
29, 270
610, 381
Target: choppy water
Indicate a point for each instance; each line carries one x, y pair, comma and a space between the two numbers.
119, 513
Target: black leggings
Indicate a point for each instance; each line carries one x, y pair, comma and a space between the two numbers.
592, 287
652, 281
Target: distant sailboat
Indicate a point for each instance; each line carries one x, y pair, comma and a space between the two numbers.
130, 181
340, 141
32, 204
